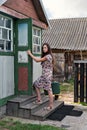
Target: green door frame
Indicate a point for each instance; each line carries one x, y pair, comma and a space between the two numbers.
23, 48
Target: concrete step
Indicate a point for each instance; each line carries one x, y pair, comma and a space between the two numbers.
42, 114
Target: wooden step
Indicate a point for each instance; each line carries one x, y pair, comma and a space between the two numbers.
34, 106
24, 106
42, 114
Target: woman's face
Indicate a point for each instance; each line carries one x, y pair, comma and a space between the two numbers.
45, 48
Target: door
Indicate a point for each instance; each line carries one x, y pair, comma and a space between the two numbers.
23, 63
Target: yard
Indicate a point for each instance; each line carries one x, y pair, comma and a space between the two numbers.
67, 91
10, 124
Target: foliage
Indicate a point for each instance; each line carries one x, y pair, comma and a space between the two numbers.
67, 86
16, 125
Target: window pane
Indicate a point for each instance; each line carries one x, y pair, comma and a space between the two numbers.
4, 34
23, 34
38, 33
36, 40
8, 45
38, 48
39, 41
9, 34
1, 21
35, 48
0, 33
8, 23
34, 31
1, 44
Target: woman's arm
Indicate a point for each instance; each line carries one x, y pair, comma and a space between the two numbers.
36, 58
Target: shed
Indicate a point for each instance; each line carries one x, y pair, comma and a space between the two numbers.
68, 40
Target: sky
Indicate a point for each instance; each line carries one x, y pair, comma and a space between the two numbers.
65, 8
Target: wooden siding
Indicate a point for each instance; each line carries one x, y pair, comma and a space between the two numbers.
23, 7
23, 78
6, 76
37, 70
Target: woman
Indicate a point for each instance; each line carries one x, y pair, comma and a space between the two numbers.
44, 81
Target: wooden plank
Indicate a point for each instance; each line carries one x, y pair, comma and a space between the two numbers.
82, 82
86, 82
76, 83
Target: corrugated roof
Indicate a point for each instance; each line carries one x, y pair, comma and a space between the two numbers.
69, 34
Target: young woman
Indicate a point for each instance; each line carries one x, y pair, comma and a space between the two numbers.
44, 81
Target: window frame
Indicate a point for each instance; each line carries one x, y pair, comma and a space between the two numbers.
38, 37
9, 34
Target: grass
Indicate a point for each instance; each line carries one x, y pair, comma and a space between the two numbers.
67, 86
16, 125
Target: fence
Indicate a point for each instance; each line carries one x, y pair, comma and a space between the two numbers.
80, 81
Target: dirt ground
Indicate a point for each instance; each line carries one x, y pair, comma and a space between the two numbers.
67, 97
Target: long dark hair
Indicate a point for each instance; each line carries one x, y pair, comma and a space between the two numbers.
48, 52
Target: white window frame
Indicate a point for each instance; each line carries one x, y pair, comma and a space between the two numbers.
35, 44
8, 29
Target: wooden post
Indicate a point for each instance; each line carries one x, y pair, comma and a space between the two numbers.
86, 82
81, 82
76, 83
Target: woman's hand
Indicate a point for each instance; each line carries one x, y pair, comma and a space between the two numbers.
29, 52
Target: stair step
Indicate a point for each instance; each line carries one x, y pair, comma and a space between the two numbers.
42, 114
33, 106
21, 98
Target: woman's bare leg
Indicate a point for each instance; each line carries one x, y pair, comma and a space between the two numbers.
50, 99
38, 94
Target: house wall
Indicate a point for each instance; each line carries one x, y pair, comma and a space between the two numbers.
7, 76
24, 7
59, 64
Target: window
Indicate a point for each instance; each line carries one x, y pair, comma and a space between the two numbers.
36, 40
6, 43
23, 37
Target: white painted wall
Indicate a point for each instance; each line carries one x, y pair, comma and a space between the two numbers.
6, 76
37, 70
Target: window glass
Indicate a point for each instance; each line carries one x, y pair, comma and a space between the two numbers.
36, 40
6, 31
9, 34
8, 23
8, 45
1, 44
23, 34
2, 21
0, 33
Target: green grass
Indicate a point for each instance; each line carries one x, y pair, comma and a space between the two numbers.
67, 86
16, 125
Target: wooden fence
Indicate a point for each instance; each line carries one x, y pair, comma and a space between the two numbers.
80, 81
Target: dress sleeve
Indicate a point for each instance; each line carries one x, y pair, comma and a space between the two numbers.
49, 58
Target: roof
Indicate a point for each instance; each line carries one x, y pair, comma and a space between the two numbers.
39, 9
69, 34
2, 2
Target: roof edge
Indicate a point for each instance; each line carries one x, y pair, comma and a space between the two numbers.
2, 2
45, 13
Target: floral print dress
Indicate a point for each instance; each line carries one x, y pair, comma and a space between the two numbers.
44, 81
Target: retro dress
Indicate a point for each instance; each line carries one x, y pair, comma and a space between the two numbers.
44, 81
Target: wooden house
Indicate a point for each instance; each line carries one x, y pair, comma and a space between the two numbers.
68, 40
21, 25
